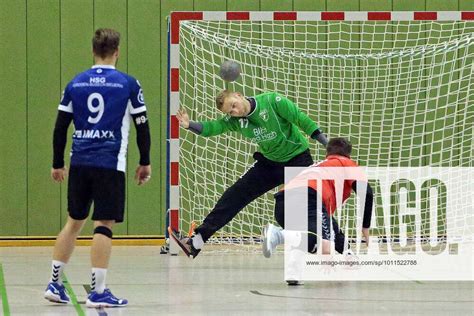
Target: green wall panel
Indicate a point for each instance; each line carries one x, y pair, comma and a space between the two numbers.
202, 5
405, 107
442, 5
317, 96
77, 29
145, 213
342, 5
408, 5
466, 109
13, 134
343, 107
466, 5
440, 136
381, 133
271, 5
370, 103
283, 33
43, 97
167, 6
113, 14
375, 5
309, 5
210, 5
464, 142
245, 150
243, 5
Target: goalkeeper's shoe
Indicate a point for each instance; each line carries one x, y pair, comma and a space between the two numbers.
272, 237
56, 293
185, 243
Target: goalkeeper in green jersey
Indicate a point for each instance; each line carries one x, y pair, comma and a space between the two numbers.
275, 124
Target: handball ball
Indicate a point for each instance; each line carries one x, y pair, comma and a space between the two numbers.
230, 70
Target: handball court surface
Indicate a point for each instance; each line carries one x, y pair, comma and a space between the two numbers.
215, 283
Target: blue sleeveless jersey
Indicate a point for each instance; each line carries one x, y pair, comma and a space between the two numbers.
102, 100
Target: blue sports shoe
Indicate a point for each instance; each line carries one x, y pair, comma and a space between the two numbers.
105, 299
56, 293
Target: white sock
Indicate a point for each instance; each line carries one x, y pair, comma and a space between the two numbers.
281, 236
198, 242
98, 280
57, 268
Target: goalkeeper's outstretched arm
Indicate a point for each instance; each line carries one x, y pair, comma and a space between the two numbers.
183, 118
208, 128
185, 122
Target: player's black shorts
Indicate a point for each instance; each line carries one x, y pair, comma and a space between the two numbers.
104, 187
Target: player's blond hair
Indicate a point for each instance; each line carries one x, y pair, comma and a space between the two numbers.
220, 98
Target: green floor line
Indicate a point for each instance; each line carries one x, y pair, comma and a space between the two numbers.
3, 291
73, 296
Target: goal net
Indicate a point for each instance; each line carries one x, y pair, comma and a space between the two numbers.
401, 91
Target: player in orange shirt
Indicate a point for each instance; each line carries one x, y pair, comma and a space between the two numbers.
337, 155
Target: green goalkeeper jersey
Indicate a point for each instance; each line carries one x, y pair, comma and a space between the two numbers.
274, 125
